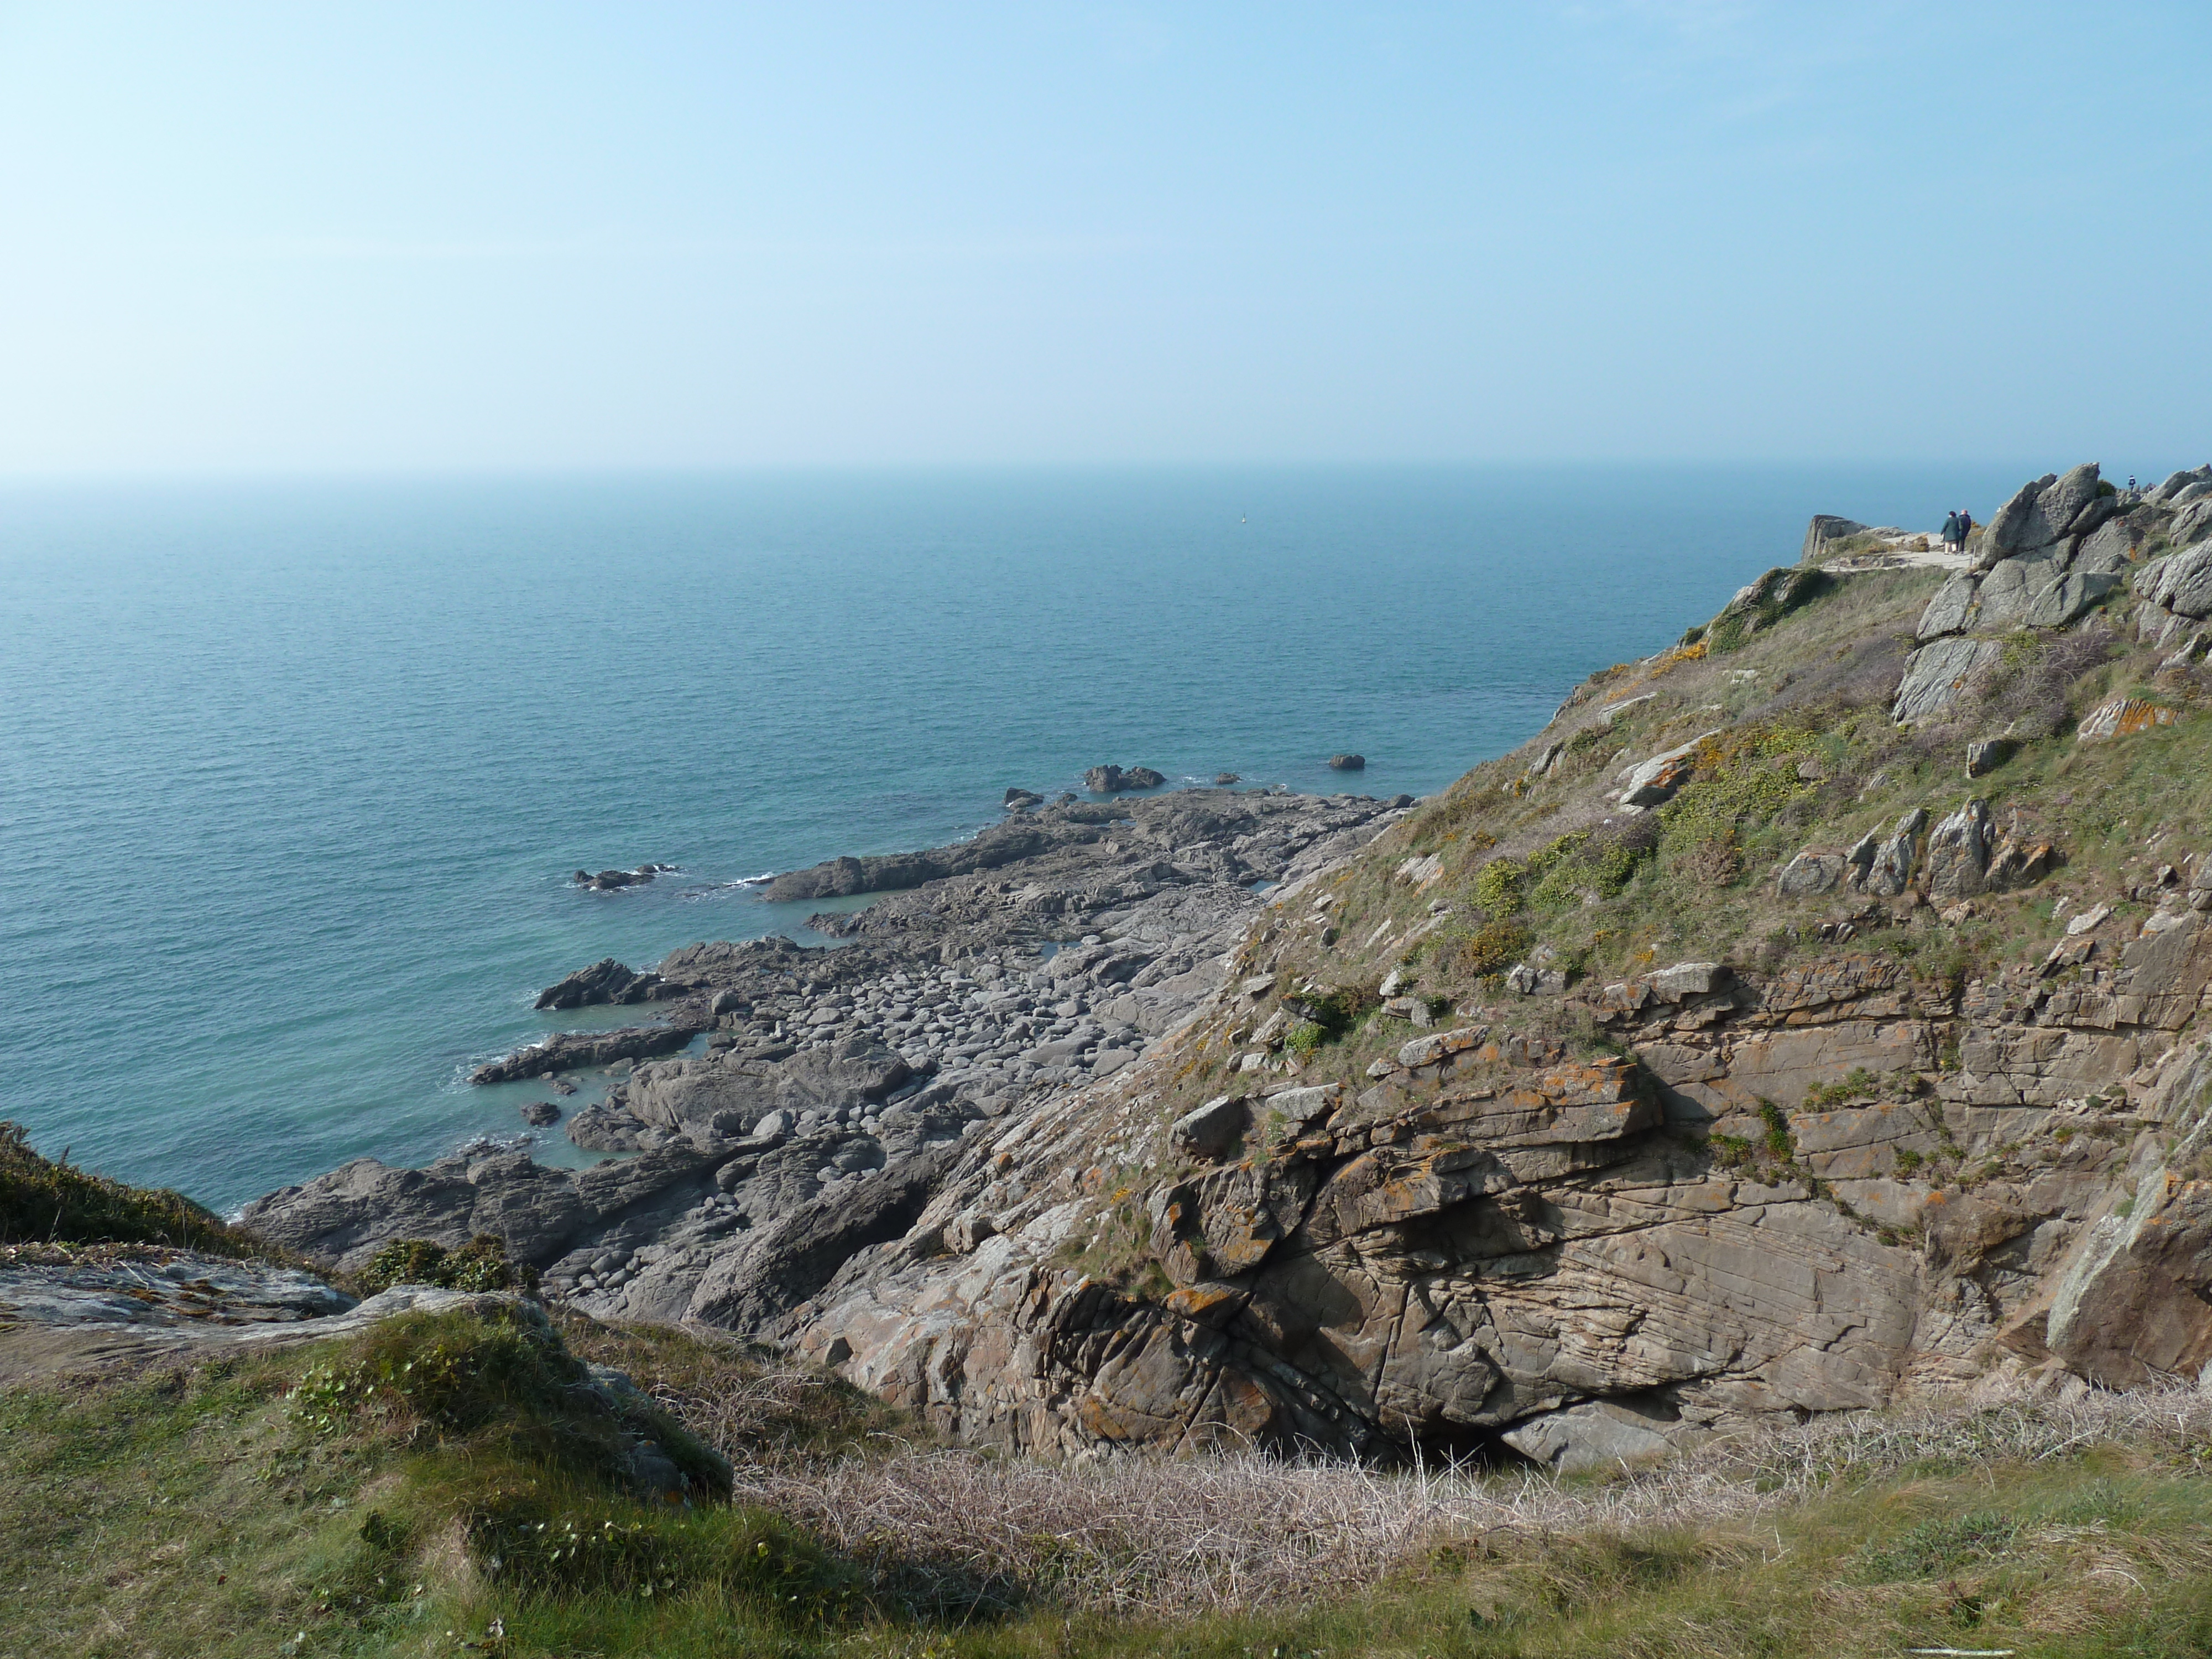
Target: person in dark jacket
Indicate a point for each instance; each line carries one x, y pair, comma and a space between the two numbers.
1966, 527
1951, 530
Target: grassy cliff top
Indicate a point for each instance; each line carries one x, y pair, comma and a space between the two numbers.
455, 1484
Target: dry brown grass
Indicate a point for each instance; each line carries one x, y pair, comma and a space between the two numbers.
1225, 1533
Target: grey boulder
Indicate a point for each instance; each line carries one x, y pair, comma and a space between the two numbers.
2010, 591
1825, 530
1959, 853
2046, 511
2178, 481
1936, 675
2183, 583
605, 981
345, 1216
1888, 868
2067, 599
1809, 873
1950, 612
1982, 758
2111, 549
1598, 1434
1209, 1131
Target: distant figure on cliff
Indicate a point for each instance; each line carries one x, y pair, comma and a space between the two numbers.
1951, 536
1965, 528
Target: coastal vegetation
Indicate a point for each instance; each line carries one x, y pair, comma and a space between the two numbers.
448, 1483
50, 1202
1726, 1179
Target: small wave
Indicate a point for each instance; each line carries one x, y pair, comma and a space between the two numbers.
709, 889
477, 1143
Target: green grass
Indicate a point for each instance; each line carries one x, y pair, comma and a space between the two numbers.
229, 1510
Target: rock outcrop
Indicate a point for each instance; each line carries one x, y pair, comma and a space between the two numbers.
1825, 532
569, 1051
1112, 780
817, 1121
605, 981
1086, 1144
2060, 549
611, 881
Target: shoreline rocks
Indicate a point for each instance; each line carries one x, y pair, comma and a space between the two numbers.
838, 1087
569, 1051
605, 981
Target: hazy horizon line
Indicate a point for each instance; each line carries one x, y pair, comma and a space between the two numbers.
586, 470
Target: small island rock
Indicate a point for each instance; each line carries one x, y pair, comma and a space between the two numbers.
1112, 780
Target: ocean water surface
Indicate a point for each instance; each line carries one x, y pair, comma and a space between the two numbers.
293, 774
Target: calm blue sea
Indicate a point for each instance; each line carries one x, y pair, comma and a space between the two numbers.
293, 776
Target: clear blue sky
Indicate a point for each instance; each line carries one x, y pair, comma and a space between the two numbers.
313, 237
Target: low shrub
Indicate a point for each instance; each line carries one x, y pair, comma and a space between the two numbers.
479, 1265
1325, 1016
1779, 1143
1498, 886
1490, 949
1858, 1084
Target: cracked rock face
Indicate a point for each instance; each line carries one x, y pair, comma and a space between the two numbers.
1484, 1242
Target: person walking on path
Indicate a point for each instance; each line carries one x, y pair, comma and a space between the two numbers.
1951, 530
1966, 527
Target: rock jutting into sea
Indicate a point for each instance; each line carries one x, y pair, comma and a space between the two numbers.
1789, 1026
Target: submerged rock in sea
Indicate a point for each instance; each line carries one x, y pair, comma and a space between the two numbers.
608, 880
1348, 762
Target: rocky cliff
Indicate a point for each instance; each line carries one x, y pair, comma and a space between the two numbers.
1811, 1015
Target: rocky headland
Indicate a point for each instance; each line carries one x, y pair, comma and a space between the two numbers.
1811, 1017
